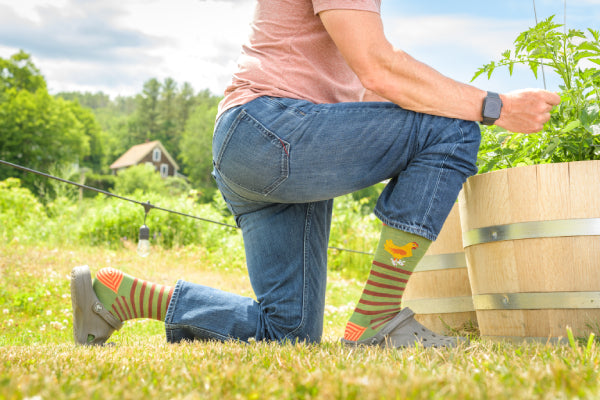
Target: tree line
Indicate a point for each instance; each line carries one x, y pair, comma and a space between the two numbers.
53, 133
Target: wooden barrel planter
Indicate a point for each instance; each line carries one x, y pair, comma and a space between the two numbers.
532, 243
438, 291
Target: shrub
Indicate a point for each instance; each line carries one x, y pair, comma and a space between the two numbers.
102, 182
110, 221
145, 179
22, 216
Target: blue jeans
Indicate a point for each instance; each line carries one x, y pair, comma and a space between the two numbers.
279, 163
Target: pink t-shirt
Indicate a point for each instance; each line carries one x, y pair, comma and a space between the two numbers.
290, 54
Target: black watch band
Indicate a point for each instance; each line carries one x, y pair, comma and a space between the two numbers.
492, 106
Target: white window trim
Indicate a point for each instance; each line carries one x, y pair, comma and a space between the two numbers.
156, 154
164, 170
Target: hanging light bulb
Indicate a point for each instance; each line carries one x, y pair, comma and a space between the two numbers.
143, 248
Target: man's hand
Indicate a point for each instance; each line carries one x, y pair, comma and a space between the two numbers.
526, 111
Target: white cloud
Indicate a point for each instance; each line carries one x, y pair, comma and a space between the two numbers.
115, 46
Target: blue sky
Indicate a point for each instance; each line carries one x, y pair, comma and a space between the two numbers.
116, 45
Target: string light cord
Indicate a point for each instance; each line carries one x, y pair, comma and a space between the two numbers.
147, 205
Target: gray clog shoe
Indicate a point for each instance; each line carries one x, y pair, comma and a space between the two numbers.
405, 331
92, 322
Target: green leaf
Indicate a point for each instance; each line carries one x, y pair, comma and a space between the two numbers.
594, 60
572, 125
589, 114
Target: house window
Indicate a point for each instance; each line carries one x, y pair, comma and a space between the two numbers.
156, 154
164, 170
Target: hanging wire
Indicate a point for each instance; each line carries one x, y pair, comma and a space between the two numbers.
147, 205
536, 22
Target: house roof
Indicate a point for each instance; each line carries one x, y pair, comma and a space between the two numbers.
135, 154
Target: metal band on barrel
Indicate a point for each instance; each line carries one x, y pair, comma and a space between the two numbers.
437, 262
537, 301
445, 305
533, 230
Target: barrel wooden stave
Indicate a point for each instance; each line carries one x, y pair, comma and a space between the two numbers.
559, 264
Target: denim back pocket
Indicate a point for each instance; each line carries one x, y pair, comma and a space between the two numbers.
251, 156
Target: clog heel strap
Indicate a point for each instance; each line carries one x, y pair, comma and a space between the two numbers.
92, 322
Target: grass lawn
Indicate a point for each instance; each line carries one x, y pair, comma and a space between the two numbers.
38, 359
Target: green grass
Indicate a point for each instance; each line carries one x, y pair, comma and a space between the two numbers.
38, 359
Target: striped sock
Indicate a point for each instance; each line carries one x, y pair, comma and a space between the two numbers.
127, 297
396, 257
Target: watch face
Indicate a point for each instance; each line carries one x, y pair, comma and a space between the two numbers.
493, 108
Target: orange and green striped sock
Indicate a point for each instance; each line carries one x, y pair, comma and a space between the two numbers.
397, 255
127, 297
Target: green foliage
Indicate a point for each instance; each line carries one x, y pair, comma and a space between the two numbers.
196, 145
111, 221
89, 100
145, 179
115, 122
19, 73
354, 227
146, 124
99, 181
38, 130
573, 132
22, 216
96, 159
140, 177
48, 190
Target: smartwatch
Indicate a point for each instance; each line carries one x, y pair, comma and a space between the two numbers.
492, 105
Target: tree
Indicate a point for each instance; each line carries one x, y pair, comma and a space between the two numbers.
145, 125
93, 101
185, 103
36, 129
19, 73
39, 131
168, 134
96, 159
196, 144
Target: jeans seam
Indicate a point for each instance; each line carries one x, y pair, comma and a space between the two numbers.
171, 311
417, 230
307, 226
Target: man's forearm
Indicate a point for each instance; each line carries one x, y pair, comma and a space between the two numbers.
415, 86
395, 75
